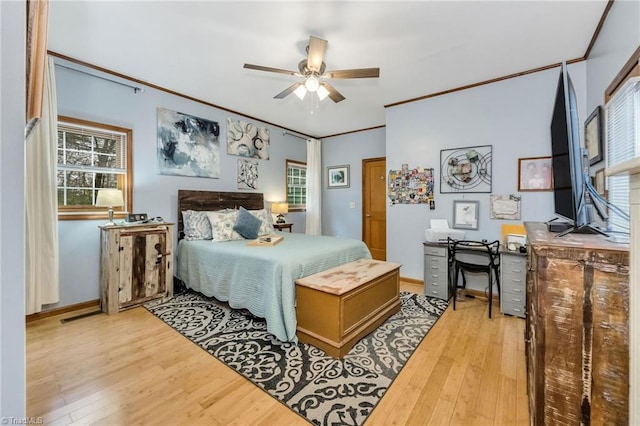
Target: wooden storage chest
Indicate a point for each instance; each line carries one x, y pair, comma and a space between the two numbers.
337, 307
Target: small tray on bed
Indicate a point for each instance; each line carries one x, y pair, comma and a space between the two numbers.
266, 240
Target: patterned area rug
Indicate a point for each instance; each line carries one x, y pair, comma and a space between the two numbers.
324, 390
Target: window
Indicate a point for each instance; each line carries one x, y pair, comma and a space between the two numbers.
92, 156
622, 135
296, 185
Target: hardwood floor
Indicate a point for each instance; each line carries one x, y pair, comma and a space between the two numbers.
132, 369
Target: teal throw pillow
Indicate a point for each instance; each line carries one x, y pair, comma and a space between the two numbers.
247, 224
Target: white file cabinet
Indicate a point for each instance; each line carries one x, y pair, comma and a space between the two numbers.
513, 279
436, 270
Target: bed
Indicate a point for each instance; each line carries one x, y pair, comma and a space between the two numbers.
259, 279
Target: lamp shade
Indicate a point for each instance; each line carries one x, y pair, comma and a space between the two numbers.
109, 198
279, 208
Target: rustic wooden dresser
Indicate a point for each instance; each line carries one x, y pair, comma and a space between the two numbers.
577, 332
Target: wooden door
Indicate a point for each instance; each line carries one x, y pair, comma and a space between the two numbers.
142, 265
374, 206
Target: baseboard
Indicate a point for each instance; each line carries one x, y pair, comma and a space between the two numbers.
62, 310
411, 280
479, 294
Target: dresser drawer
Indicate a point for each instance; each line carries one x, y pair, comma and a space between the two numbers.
437, 290
513, 284
435, 263
436, 278
510, 261
514, 298
513, 309
435, 251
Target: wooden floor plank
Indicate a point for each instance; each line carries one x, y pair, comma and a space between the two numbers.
131, 368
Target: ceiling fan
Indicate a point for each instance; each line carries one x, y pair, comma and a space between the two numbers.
313, 70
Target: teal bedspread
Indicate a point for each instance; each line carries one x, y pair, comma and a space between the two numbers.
262, 279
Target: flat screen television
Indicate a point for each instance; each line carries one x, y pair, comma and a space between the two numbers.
568, 162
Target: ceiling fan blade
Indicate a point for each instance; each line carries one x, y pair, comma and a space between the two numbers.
333, 93
269, 69
289, 90
356, 73
315, 54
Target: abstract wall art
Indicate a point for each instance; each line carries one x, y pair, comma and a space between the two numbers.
247, 139
187, 145
247, 174
465, 169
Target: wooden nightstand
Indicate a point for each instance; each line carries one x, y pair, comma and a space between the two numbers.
136, 264
282, 226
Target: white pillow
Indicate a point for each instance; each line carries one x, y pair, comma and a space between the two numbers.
222, 223
266, 227
196, 225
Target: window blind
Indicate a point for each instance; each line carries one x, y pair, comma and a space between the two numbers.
622, 114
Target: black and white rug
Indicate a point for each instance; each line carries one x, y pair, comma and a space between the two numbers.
324, 390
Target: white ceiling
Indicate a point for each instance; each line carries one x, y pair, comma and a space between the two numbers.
421, 47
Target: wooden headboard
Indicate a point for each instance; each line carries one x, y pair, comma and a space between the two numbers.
212, 201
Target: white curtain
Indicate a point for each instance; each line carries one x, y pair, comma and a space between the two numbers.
41, 203
314, 188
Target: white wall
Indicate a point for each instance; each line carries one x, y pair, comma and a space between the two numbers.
338, 217
618, 39
87, 97
512, 115
12, 311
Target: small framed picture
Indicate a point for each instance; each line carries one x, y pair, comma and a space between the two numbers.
535, 174
593, 136
338, 176
465, 214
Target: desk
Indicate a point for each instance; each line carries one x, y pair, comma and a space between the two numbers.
281, 226
512, 276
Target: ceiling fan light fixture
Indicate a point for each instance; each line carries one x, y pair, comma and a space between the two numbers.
300, 91
312, 84
322, 92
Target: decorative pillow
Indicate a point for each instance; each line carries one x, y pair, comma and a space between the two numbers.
196, 225
247, 224
266, 227
222, 223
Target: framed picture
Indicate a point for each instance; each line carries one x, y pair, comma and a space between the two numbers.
599, 182
593, 136
338, 176
535, 174
465, 214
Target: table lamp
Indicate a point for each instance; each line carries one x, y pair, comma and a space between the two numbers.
280, 209
109, 198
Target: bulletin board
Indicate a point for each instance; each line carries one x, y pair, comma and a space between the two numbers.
410, 186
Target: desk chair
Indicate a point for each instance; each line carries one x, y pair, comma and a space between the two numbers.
458, 263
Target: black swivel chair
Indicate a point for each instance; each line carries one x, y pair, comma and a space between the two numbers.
459, 253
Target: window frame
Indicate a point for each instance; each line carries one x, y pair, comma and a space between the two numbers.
125, 181
618, 186
299, 164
